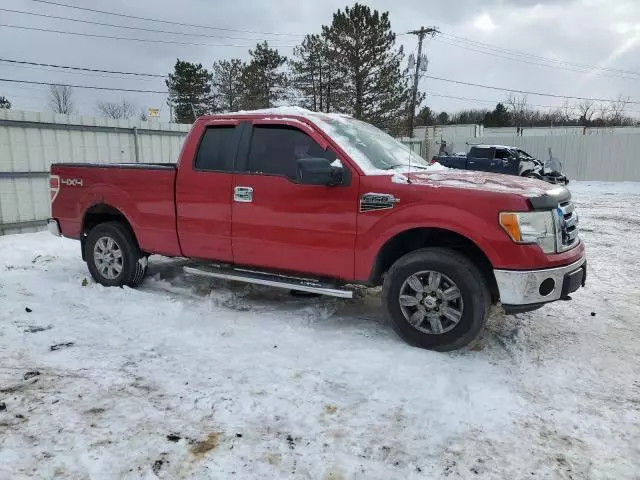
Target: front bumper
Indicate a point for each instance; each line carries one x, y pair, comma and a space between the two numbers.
531, 288
54, 227
556, 180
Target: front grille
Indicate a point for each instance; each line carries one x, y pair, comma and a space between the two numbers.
567, 223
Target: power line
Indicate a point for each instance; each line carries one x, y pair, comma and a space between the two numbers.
90, 87
157, 20
112, 37
495, 102
524, 92
83, 74
496, 48
590, 70
91, 22
80, 68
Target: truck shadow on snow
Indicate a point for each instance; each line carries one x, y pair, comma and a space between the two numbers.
360, 316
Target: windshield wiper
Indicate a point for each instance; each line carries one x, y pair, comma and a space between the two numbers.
406, 165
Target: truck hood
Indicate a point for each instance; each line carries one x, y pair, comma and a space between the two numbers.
530, 188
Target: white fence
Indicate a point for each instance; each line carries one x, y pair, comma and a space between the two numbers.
603, 157
30, 142
585, 157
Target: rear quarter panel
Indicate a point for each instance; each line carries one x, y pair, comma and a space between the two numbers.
145, 196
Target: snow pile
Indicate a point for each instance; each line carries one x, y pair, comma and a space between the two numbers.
190, 378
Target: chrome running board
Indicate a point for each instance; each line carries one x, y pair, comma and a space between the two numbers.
271, 280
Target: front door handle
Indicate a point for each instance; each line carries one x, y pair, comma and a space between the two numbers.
243, 194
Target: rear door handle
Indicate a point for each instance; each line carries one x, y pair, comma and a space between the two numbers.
243, 194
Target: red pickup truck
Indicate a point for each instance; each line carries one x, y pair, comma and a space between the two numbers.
328, 204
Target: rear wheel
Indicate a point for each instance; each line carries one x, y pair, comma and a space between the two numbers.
436, 298
113, 256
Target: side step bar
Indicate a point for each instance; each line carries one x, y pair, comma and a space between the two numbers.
271, 280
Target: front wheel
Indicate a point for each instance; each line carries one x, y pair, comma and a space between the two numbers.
436, 298
113, 256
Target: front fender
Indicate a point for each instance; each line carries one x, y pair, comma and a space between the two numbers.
483, 231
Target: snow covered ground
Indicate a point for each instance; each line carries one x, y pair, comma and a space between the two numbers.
188, 378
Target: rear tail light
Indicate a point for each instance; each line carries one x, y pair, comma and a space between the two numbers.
54, 186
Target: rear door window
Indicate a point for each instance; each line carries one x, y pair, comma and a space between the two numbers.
217, 149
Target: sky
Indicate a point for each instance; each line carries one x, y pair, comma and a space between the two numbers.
584, 48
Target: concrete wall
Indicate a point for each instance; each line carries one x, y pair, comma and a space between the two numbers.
30, 142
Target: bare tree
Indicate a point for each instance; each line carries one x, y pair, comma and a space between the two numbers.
617, 109
519, 109
602, 112
586, 110
61, 99
117, 110
553, 117
568, 111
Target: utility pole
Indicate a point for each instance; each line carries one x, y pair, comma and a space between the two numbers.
423, 32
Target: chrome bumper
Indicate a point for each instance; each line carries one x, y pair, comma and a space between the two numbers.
519, 287
54, 227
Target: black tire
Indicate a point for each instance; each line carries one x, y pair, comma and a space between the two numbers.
134, 262
470, 282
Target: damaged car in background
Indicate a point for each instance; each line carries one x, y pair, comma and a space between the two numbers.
506, 160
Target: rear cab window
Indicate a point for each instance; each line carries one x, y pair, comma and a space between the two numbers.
481, 152
217, 149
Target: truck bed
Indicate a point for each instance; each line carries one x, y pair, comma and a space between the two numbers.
140, 166
145, 191
453, 161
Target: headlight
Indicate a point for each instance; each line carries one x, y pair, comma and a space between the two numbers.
531, 227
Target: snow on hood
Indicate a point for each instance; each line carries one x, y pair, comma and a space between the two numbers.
493, 182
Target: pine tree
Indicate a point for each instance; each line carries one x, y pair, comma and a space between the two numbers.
425, 117
190, 91
263, 81
227, 83
443, 118
4, 103
500, 117
362, 48
312, 73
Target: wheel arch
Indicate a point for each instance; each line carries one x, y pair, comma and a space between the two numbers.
101, 213
423, 237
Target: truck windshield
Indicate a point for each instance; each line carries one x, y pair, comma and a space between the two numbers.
524, 154
371, 148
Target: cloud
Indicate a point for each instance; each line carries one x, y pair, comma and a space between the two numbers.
577, 31
484, 23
